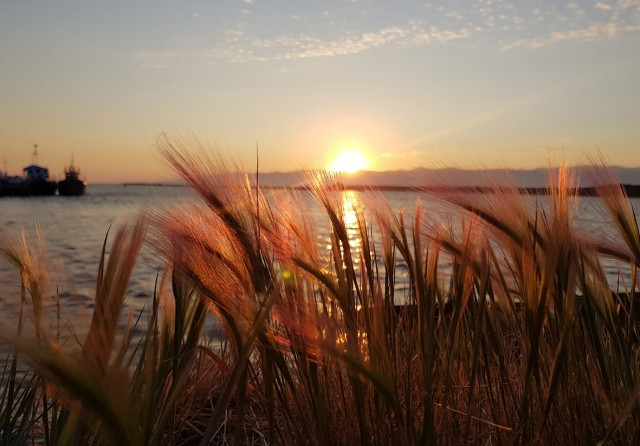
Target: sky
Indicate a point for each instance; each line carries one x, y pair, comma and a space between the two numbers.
470, 84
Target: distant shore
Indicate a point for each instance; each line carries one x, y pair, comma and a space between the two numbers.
632, 191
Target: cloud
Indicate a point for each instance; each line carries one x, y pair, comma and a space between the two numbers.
626, 4
585, 23
240, 48
603, 6
588, 34
320, 32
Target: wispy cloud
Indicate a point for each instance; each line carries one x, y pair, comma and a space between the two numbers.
589, 34
603, 6
241, 48
260, 33
587, 23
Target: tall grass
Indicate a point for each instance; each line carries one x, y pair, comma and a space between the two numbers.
519, 340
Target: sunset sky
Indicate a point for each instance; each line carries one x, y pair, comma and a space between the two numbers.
462, 83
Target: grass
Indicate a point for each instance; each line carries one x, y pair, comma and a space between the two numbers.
520, 340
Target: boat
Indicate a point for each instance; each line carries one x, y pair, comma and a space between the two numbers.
72, 185
12, 186
37, 181
37, 177
34, 182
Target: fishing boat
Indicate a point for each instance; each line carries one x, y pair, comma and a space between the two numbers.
72, 184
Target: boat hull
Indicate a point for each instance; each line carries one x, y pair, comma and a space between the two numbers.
72, 187
8, 189
42, 187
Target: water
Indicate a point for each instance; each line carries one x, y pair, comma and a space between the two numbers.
74, 229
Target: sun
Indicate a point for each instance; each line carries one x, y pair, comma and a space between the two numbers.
350, 160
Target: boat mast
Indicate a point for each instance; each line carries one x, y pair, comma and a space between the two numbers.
34, 159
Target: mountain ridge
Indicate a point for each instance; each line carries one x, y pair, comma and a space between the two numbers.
450, 176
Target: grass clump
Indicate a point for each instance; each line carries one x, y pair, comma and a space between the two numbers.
506, 332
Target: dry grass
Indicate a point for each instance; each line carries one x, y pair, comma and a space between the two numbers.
519, 340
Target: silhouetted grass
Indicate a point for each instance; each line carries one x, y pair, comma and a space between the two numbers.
519, 340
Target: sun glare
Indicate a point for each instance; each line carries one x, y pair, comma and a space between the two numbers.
348, 161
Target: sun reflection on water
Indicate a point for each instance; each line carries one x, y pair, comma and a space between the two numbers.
350, 205
348, 213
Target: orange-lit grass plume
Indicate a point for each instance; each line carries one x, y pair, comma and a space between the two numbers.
507, 331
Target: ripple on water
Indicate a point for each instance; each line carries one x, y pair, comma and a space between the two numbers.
75, 230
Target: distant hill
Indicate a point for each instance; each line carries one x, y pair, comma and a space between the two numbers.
422, 177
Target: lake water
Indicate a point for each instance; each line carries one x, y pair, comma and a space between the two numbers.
75, 227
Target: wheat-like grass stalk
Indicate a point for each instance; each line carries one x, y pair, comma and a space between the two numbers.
497, 325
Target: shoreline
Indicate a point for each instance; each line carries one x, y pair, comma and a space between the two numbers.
632, 191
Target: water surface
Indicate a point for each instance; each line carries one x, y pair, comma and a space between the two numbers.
74, 229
